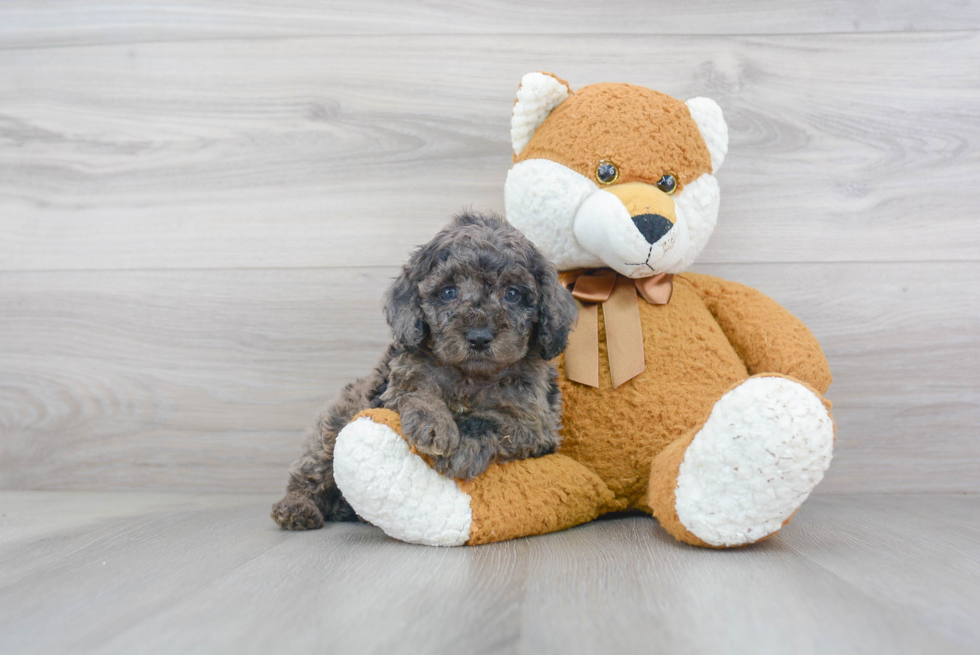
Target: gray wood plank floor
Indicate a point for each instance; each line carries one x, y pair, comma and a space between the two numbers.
89, 572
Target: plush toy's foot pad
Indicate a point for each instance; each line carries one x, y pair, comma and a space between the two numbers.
393, 488
764, 447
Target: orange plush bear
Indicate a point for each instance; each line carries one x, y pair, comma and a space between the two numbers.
692, 398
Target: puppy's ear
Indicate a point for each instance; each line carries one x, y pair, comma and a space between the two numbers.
402, 305
556, 309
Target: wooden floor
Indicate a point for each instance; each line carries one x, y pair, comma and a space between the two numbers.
112, 572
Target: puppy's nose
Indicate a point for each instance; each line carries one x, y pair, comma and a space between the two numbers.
479, 338
652, 226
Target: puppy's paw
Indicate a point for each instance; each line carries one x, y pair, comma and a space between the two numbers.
432, 434
297, 512
468, 461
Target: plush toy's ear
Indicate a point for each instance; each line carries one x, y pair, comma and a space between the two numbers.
537, 95
711, 123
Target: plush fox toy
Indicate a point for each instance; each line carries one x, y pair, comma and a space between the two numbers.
695, 399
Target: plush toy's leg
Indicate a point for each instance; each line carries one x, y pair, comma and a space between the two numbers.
395, 489
742, 475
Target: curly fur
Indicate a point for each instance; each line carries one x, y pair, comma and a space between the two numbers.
464, 401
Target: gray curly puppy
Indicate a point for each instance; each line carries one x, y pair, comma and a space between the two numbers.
474, 316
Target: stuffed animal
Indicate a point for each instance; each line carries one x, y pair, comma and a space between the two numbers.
697, 400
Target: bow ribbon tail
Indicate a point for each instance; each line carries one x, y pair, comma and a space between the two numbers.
621, 314
624, 333
582, 352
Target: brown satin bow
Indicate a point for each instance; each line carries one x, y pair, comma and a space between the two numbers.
621, 313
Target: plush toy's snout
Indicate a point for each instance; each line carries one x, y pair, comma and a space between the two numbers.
651, 209
633, 228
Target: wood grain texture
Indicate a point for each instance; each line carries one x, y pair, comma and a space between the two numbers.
46, 23
125, 573
200, 204
204, 380
345, 151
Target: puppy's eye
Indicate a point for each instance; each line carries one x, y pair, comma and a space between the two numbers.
448, 293
606, 172
668, 184
512, 295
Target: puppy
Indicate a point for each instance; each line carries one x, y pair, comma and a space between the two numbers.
474, 316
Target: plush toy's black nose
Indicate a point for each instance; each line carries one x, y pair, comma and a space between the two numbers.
479, 338
652, 226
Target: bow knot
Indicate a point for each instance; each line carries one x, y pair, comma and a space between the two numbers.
621, 312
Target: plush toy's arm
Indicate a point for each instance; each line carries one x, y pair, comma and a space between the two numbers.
393, 488
764, 334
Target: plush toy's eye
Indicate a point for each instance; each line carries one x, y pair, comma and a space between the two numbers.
606, 172
448, 293
668, 184
512, 295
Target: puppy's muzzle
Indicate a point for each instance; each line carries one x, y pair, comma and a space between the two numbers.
479, 338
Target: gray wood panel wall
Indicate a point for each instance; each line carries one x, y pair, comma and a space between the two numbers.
200, 206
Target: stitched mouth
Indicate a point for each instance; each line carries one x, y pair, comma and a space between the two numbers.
668, 251
645, 262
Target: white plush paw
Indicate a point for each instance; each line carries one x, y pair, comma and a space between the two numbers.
764, 448
393, 488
